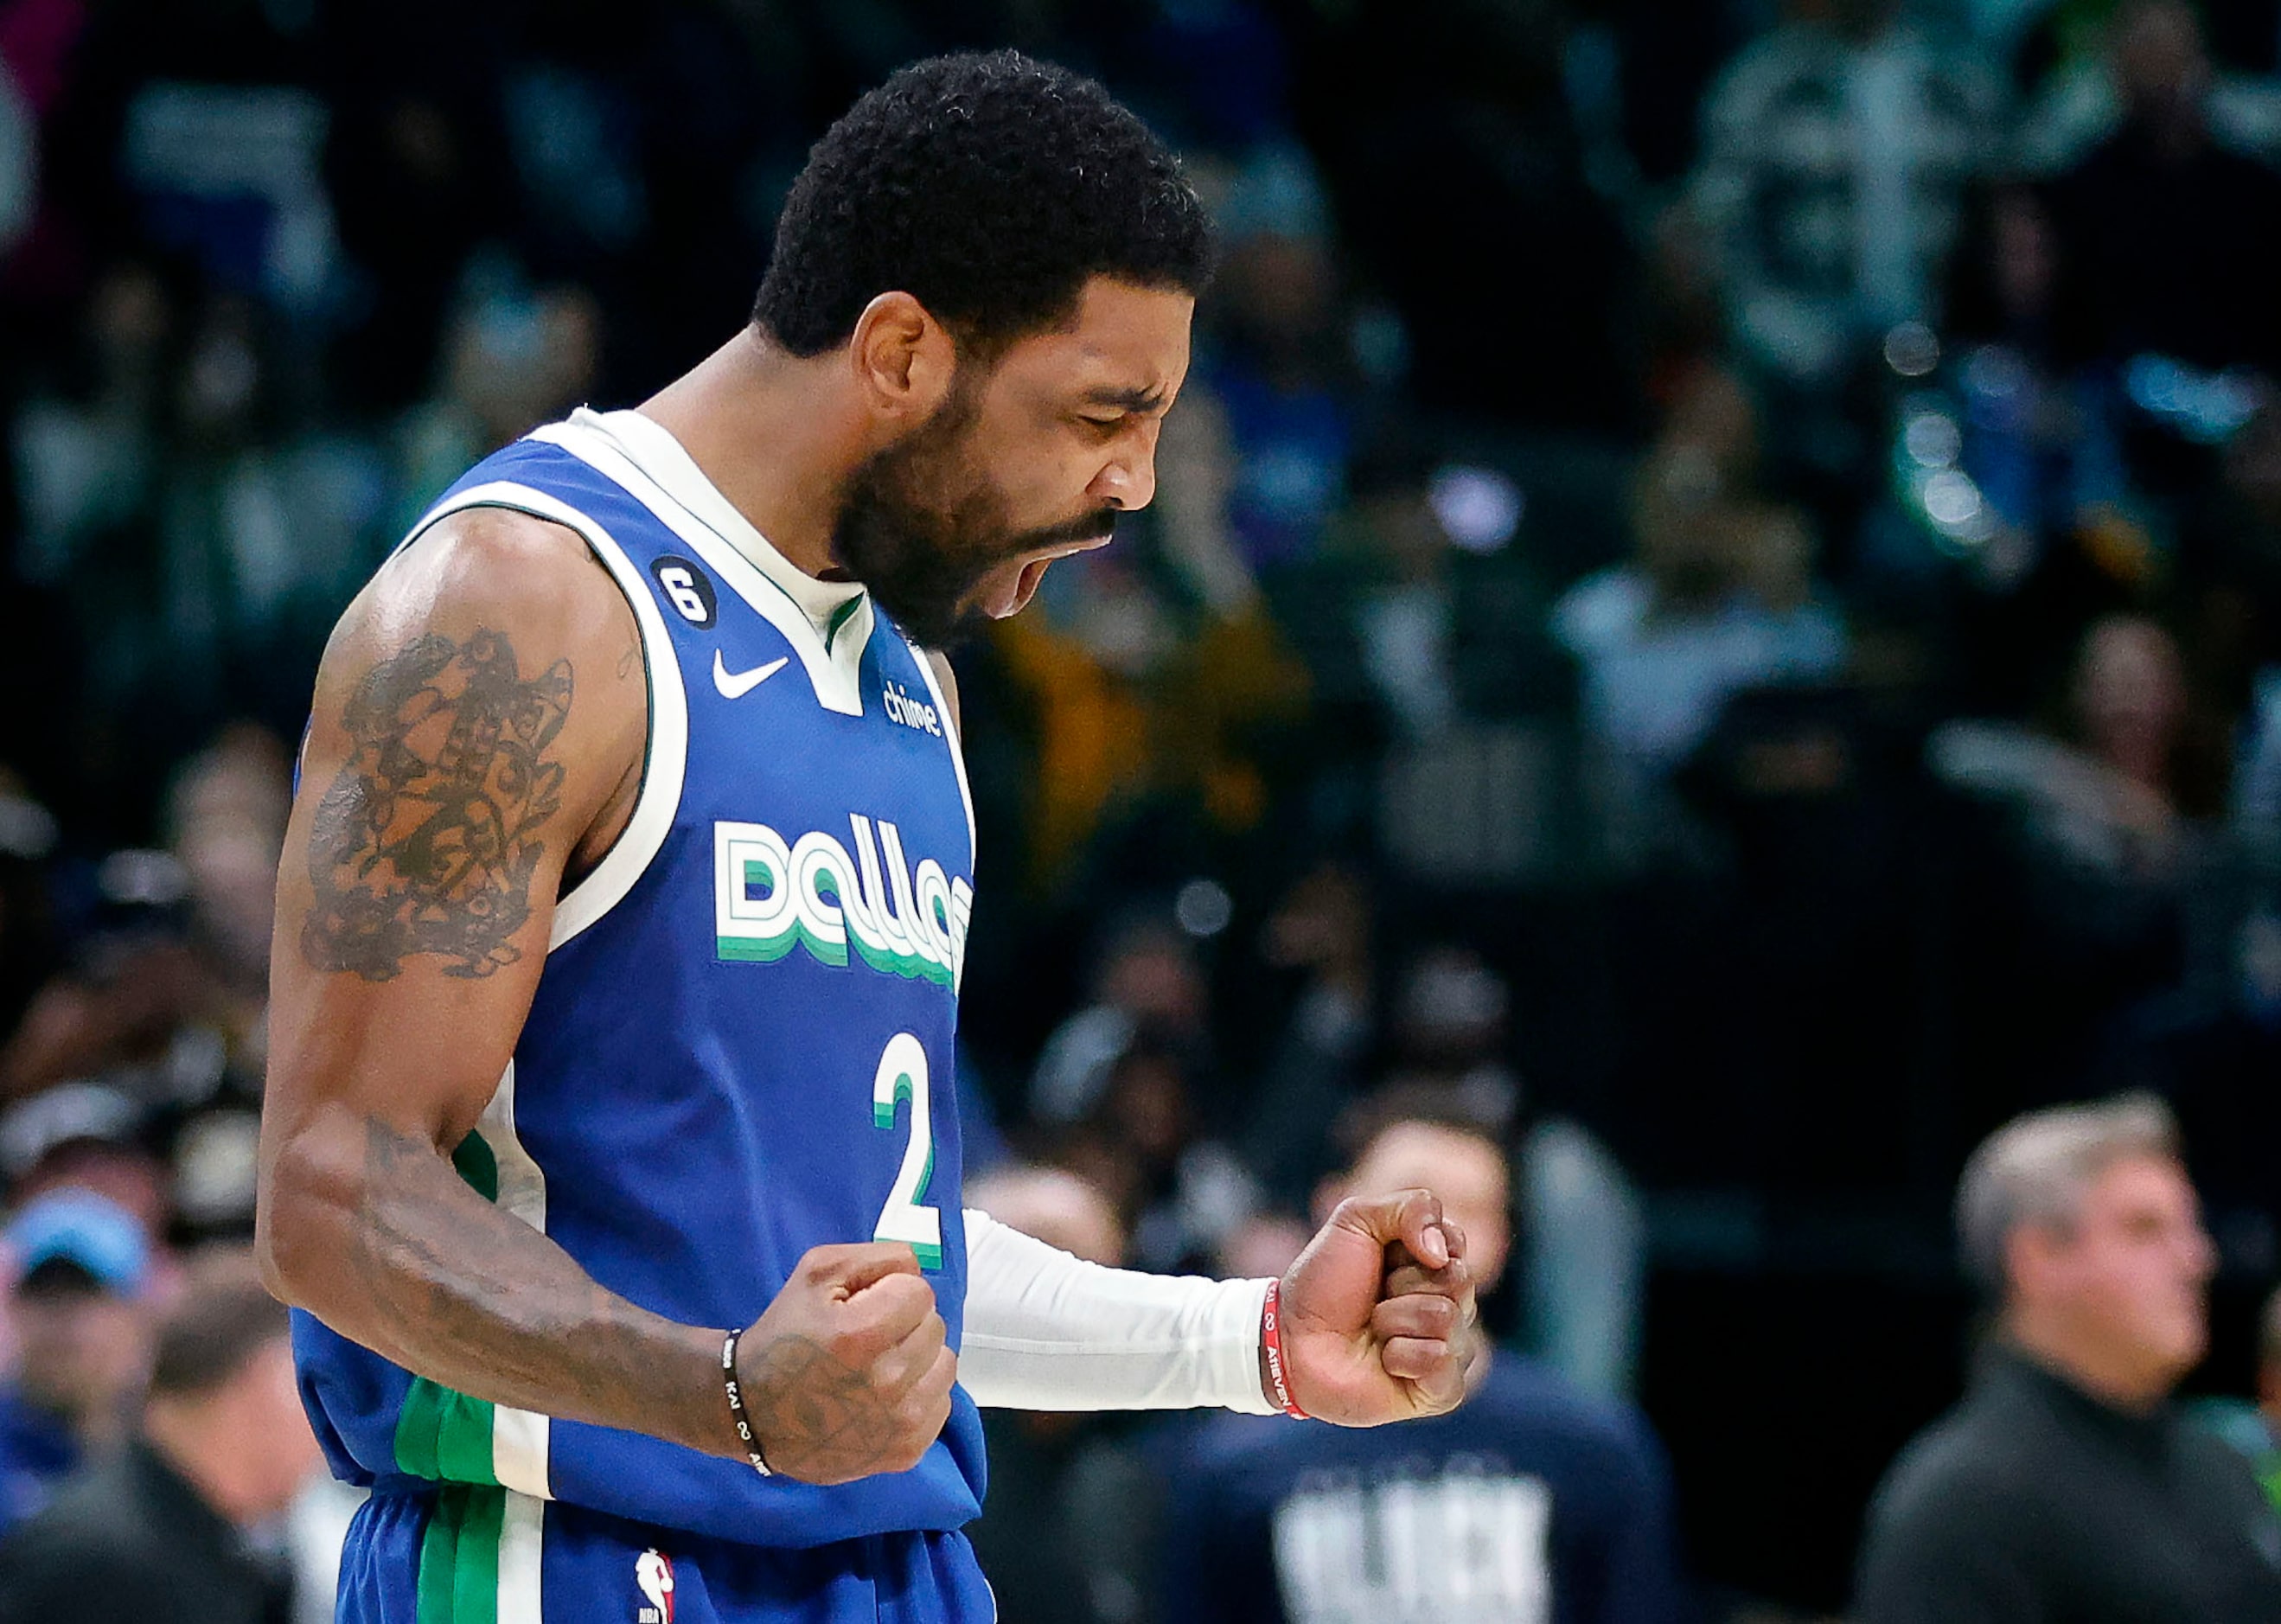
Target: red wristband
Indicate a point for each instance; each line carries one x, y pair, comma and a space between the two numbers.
1271, 1339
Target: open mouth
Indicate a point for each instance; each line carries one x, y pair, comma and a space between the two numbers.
1025, 585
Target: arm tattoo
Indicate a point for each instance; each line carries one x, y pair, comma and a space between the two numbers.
428, 841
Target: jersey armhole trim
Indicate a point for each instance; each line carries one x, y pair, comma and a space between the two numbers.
665, 757
950, 735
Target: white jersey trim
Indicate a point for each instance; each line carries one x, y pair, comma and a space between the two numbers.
834, 670
521, 1544
520, 1438
950, 735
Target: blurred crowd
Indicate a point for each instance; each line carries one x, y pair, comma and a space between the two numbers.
1711, 622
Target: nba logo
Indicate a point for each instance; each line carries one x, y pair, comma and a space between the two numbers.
654, 1573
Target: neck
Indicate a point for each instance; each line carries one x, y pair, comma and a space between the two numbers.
762, 425
2116, 1379
189, 1440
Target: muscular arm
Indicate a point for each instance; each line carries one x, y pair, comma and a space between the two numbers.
478, 728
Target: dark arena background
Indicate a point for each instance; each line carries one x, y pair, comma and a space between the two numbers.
1715, 595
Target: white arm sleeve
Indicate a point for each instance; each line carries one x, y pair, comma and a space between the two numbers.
1047, 1331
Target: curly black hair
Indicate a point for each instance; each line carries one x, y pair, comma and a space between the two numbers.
989, 188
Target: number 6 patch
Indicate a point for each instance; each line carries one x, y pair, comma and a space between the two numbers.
686, 588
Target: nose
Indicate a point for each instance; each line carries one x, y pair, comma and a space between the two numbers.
1127, 480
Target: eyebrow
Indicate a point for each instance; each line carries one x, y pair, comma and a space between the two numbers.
1127, 399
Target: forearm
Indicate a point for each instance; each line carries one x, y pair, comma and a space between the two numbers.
1047, 1331
369, 1228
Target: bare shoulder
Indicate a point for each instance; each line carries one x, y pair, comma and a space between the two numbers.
494, 565
511, 601
946, 680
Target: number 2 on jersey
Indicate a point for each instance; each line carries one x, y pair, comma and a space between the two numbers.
904, 1076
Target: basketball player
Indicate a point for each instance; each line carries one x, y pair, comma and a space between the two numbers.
609, 1148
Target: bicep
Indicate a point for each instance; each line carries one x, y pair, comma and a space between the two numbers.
473, 716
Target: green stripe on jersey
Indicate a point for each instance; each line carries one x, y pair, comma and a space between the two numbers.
459, 1556
441, 1433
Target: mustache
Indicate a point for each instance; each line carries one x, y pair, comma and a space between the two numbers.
1099, 525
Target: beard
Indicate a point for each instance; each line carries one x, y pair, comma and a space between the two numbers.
920, 526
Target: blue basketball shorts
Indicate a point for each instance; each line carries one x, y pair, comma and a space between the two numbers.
460, 1554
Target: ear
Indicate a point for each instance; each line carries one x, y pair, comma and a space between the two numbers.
2031, 1256
902, 360
1329, 1194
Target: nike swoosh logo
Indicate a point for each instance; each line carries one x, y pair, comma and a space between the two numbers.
736, 685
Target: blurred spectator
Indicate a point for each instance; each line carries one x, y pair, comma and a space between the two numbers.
85, 448
2174, 240
78, 1304
1278, 383
1153, 680
1146, 978
1529, 1500
1067, 1535
1423, 607
2107, 798
1176, 1190
2067, 1485
85, 1136
135, 1006
1721, 597
2080, 92
1835, 151
165, 998
186, 516
2107, 884
513, 358
1582, 1236
2003, 454
224, 825
181, 1526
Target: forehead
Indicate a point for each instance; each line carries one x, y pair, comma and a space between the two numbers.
1119, 339
1453, 1165
2136, 1183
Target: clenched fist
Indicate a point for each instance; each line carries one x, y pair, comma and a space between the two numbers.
1378, 1314
848, 1373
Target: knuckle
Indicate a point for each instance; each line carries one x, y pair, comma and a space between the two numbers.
856, 1343
908, 1298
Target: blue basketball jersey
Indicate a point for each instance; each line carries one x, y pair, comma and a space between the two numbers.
741, 1044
